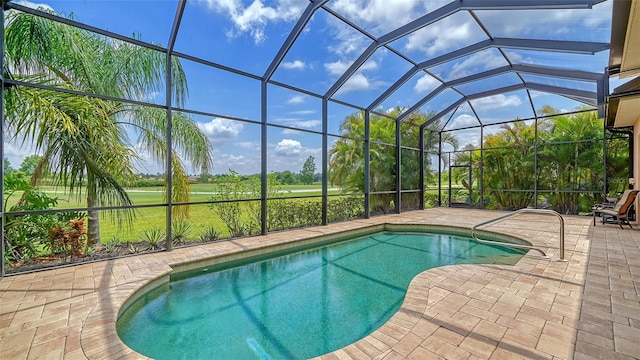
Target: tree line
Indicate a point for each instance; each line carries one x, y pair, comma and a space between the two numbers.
561, 158
27, 166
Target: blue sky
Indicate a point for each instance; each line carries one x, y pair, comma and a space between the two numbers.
246, 34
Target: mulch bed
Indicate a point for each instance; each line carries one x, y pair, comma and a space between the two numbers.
101, 253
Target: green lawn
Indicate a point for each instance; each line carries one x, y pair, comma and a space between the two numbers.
201, 216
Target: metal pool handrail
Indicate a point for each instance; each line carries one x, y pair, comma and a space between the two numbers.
527, 210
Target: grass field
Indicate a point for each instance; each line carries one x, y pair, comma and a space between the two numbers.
201, 216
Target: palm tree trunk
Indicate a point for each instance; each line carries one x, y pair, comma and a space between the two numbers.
93, 223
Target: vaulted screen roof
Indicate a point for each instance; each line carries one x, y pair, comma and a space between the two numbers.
472, 58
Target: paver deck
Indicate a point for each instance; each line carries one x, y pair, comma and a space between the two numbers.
585, 308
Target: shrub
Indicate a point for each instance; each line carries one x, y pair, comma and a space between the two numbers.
345, 208
70, 239
240, 216
209, 234
243, 217
287, 214
23, 235
153, 237
112, 244
430, 200
147, 183
179, 232
133, 248
26, 235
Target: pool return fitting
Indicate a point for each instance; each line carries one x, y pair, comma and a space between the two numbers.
517, 212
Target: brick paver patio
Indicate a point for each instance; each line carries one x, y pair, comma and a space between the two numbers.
585, 308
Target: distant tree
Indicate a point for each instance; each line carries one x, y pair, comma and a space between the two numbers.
204, 178
308, 169
286, 177
7, 166
29, 164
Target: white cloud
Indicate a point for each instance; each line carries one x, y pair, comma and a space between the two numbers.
464, 120
496, 102
33, 5
379, 16
237, 158
247, 144
307, 124
295, 65
302, 124
254, 18
377, 12
302, 112
293, 162
347, 42
548, 22
221, 130
426, 83
340, 66
337, 67
288, 147
446, 34
480, 61
536, 94
291, 132
357, 82
232, 159
244, 164
369, 65
297, 122
467, 136
296, 99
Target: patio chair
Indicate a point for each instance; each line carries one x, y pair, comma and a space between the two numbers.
619, 213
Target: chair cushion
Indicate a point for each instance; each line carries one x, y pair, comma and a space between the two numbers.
609, 212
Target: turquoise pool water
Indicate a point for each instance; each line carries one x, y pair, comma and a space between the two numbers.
293, 306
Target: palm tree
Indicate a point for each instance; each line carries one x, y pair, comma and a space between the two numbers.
346, 157
508, 165
571, 160
84, 140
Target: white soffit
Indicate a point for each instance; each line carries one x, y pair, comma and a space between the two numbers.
630, 65
628, 111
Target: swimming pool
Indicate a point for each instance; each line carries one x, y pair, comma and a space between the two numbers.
292, 306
